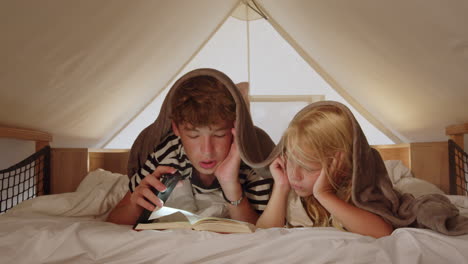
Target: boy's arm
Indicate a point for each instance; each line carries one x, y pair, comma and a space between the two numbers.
228, 177
242, 211
127, 211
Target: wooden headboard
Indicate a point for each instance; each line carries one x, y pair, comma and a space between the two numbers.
427, 160
41, 139
457, 133
71, 165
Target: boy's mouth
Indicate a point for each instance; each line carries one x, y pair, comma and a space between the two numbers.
208, 164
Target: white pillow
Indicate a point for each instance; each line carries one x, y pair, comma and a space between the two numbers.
397, 170
403, 180
416, 187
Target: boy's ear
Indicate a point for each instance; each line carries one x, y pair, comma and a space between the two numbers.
175, 128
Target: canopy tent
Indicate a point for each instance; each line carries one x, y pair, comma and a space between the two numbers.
251, 50
81, 70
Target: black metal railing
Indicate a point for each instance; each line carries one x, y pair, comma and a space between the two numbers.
458, 169
25, 180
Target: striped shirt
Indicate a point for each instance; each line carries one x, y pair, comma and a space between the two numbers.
170, 152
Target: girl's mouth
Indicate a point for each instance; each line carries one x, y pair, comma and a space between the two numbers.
296, 187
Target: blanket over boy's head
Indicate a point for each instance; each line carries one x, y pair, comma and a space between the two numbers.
254, 144
372, 189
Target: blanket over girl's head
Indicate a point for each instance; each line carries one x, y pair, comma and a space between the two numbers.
372, 189
254, 144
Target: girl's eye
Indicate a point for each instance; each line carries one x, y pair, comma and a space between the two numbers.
192, 136
220, 135
312, 170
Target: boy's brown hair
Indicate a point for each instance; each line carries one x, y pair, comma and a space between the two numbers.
202, 101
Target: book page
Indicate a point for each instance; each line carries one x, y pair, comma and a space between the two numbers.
224, 225
168, 218
169, 214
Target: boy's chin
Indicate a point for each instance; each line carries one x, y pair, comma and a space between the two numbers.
206, 171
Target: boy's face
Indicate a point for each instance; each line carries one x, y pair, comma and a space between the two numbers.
206, 147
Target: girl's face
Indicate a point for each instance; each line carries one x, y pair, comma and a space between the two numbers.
303, 178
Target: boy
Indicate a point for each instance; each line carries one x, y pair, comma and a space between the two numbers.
200, 144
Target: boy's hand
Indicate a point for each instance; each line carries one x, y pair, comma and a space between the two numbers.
144, 196
278, 171
228, 171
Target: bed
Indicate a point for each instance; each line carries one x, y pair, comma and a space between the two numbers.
69, 227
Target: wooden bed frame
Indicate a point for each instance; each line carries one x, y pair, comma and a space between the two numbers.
427, 160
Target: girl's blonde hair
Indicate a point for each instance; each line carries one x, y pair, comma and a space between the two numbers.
320, 134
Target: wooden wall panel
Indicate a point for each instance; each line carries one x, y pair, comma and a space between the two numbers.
395, 152
429, 161
110, 160
68, 167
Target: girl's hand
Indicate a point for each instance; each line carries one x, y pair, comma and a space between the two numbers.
144, 196
278, 171
228, 170
323, 185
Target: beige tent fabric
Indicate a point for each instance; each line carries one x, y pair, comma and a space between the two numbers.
401, 64
372, 189
81, 70
254, 144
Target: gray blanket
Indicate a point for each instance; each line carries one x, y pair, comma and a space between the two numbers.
254, 144
372, 189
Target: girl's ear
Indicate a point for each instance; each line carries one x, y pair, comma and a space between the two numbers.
175, 128
339, 156
340, 165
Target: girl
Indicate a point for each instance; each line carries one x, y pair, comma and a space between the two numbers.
316, 163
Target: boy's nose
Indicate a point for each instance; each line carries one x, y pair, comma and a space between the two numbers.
207, 146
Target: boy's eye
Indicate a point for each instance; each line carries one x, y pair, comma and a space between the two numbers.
192, 136
220, 135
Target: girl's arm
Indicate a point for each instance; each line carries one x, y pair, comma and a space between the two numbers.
274, 214
354, 219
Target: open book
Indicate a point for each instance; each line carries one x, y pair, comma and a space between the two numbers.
172, 218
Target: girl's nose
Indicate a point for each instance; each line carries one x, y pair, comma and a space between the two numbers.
296, 174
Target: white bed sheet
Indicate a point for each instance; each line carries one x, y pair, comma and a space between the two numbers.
69, 228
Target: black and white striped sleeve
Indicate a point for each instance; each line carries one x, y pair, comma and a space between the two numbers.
165, 154
257, 189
